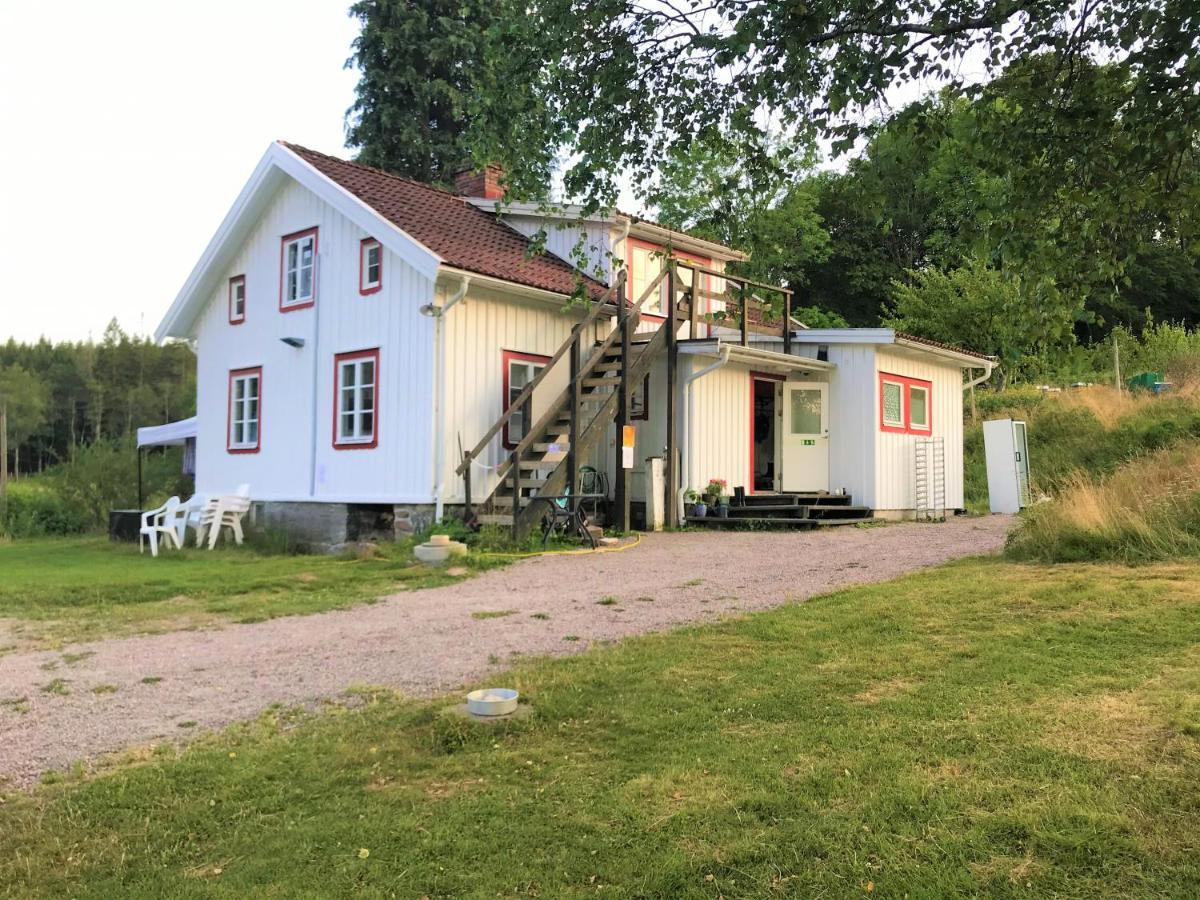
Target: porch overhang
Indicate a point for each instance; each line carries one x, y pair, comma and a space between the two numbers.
755, 357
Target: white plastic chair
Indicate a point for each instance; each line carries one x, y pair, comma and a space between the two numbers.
220, 513
188, 515
156, 522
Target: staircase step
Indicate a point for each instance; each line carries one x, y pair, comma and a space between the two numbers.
494, 519
732, 522
507, 500
529, 483
601, 382
768, 510
531, 465
544, 447
822, 512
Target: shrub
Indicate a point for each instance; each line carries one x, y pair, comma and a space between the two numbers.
35, 509
1147, 510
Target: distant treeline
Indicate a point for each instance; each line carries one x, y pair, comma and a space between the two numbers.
62, 396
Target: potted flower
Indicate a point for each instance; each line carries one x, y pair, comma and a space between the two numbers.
689, 503
717, 494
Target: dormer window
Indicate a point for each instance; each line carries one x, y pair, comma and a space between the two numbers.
298, 270
370, 267
237, 300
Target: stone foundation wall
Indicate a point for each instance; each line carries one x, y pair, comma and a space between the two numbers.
331, 527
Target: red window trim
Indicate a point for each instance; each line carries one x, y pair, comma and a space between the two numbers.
631, 243
237, 373
507, 356
237, 279
757, 376
363, 245
283, 242
645, 416
338, 359
905, 413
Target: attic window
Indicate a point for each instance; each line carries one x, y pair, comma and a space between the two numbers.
370, 266
298, 270
237, 300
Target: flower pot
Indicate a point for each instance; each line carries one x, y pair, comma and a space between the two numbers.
701, 510
689, 509
723, 511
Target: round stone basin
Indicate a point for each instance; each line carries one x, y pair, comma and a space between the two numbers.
492, 701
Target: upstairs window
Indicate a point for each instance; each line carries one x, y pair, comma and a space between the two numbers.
370, 267
298, 270
237, 300
356, 382
245, 410
519, 370
904, 404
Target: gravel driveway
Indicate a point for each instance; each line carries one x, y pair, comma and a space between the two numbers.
138, 690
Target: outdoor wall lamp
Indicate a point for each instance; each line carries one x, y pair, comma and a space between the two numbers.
293, 342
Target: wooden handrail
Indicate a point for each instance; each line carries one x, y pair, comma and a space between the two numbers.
541, 375
696, 267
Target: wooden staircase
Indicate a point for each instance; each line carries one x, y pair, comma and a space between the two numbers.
545, 462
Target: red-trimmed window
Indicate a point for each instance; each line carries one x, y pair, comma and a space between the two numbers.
237, 299
519, 370
639, 401
298, 270
905, 405
244, 432
645, 261
356, 400
370, 267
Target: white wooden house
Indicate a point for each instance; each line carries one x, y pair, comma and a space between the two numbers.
356, 332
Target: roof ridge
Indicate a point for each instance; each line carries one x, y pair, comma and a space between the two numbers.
407, 179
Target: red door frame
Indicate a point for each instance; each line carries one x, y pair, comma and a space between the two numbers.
757, 376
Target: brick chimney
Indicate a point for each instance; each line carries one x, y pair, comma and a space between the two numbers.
485, 183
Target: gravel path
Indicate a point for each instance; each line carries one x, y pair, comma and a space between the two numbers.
427, 642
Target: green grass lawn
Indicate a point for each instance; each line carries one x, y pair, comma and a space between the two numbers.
987, 728
69, 589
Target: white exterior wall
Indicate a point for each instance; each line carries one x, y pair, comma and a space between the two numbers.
852, 425
894, 463
562, 239
478, 331
296, 460
719, 429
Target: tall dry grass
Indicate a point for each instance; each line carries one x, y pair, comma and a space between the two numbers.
1106, 404
1149, 509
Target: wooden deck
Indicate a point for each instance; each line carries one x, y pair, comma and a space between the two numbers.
810, 510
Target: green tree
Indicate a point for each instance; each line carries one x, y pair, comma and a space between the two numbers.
428, 70
23, 395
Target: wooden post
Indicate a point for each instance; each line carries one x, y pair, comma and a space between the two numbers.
468, 513
621, 476
692, 305
787, 323
672, 468
745, 319
515, 468
573, 425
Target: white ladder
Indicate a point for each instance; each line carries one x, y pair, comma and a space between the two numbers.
929, 478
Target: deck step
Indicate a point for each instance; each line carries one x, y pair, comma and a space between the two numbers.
732, 521
822, 512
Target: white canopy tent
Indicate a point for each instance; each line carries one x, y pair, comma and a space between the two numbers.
172, 434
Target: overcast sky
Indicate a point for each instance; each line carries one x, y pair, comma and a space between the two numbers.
129, 127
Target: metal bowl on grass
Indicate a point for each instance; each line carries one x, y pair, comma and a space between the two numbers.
492, 701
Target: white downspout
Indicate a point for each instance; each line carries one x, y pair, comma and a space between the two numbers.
687, 412
987, 373
439, 396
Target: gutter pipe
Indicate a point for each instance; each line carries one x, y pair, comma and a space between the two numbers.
687, 410
439, 396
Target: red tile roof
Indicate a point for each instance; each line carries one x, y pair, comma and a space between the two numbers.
462, 235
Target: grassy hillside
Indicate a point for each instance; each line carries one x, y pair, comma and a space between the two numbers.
1093, 431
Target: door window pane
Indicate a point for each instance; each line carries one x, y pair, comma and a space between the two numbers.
806, 411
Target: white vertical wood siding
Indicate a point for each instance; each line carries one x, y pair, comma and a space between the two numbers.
296, 460
478, 331
894, 466
563, 240
719, 429
852, 425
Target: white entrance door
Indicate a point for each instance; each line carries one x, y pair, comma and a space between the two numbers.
804, 444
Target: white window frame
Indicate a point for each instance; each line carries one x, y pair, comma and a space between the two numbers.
913, 426
290, 267
237, 283
357, 436
365, 284
239, 415
511, 438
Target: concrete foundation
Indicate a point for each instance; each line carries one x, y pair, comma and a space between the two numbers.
330, 527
